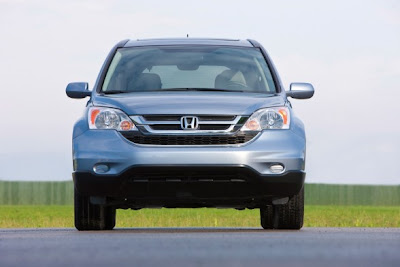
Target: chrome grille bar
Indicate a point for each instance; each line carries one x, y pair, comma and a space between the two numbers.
142, 121
145, 126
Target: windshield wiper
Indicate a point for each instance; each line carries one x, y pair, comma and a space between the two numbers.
109, 92
200, 89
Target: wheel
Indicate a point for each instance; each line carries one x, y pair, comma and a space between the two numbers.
92, 217
267, 217
288, 216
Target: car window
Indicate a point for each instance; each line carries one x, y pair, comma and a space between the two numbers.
140, 69
172, 77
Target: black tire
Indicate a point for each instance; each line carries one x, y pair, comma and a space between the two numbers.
92, 217
267, 217
288, 216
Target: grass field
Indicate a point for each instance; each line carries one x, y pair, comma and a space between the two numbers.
15, 216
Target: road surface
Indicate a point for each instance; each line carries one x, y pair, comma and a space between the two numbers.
201, 247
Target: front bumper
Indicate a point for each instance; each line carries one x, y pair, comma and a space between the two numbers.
181, 175
110, 147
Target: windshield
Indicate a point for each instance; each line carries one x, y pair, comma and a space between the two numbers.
173, 68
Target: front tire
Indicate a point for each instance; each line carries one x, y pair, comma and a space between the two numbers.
92, 217
288, 216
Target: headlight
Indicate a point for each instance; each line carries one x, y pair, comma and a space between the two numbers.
268, 118
109, 118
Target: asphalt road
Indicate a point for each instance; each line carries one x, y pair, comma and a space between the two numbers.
201, 247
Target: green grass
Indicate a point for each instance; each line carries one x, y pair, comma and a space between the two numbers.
15, 216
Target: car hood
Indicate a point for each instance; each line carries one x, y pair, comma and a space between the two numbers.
188, 102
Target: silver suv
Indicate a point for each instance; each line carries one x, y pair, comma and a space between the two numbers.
184, 123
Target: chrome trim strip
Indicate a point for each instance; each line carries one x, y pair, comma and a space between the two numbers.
144, 125
139, 120
185, 132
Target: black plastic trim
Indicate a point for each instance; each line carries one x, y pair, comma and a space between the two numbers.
235, 138
190, 186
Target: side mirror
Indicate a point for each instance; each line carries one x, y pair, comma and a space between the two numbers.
300, 90
78, 90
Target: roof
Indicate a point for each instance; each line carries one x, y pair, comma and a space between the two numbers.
188, 41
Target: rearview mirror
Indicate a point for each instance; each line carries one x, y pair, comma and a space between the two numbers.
300, 90
78, 90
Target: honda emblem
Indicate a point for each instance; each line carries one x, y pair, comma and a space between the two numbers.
189, 123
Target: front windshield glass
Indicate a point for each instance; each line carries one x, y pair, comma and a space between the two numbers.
170, 68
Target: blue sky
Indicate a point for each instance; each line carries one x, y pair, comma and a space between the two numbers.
349, 51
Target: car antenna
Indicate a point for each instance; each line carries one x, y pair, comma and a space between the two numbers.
187, 35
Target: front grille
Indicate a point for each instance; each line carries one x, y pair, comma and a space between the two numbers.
161, 117
171, 124
171, 140
187, 178
189, 174
177, 118
202, 127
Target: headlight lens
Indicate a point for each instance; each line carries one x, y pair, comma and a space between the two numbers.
109, 118
268, 118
